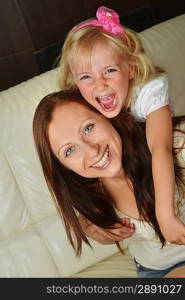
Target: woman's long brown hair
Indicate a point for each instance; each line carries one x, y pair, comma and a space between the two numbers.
75, 194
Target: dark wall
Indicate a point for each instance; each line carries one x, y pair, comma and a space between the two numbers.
32, 32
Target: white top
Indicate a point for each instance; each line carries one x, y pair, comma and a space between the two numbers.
149, 97
144, 245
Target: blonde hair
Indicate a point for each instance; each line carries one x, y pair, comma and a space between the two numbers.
83, 41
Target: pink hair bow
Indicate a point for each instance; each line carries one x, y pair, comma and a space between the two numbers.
108, 19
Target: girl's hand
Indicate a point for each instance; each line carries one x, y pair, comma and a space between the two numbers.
173, 230
105, 236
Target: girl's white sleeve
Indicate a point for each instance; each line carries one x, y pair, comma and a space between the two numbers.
151, 96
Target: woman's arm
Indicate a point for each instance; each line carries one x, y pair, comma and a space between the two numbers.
159, 138
176, 273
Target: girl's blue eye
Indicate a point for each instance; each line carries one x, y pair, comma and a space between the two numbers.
69, 151
88, 128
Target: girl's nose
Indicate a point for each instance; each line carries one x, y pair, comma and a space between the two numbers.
100, 83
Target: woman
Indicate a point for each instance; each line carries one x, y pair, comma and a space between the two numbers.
101, 169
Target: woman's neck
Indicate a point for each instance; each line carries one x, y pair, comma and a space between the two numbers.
120, 190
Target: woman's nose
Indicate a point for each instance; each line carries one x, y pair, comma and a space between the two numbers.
91, 149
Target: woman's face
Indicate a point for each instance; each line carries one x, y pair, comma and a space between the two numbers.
85, 141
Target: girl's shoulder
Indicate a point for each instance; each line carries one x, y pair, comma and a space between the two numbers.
150, 96
159, 83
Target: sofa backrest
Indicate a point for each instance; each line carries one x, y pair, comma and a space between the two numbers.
165, 44
33, 242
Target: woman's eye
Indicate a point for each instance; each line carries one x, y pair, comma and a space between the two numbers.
69, 151
88, 128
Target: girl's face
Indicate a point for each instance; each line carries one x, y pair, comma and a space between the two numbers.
103, 82
85, 141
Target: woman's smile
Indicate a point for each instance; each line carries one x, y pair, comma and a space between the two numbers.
104, 161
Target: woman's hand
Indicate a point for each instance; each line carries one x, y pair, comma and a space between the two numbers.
105, 236
176, 273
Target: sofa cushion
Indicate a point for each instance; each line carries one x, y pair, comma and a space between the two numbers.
29, 221
115, 266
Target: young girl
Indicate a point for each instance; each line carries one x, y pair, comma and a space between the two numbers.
101, 168
107, 63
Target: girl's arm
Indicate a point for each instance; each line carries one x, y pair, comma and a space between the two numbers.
159, 138
105, 236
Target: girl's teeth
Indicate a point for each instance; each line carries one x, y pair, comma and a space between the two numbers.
106, 101
102, 161
105, 98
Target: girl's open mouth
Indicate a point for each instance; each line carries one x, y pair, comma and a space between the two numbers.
107, 103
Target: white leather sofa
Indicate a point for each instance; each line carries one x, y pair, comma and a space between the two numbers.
32, 238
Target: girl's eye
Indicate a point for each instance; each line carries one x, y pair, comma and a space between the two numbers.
85, 77
88, 128
69, 151
111, 70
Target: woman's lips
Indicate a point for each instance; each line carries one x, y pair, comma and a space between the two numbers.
104, 161
107, 102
